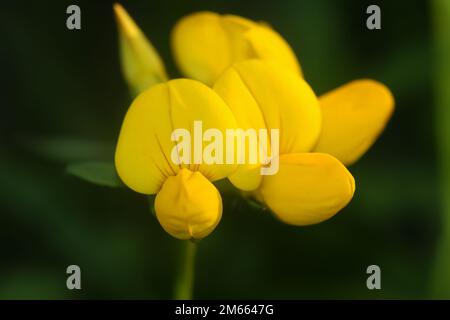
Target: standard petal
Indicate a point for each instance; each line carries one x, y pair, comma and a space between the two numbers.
192, 101
188, 206
284, 99
263, 96
267, 44
353, 116
205, 44
308, 188
141, 64
145, 149
201, 46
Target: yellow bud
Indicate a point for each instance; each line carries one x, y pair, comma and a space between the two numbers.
141, 64
188, 206
309, 188
205, 44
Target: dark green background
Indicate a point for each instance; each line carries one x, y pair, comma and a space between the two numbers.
61, 88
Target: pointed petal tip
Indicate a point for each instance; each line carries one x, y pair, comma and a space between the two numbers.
124, 21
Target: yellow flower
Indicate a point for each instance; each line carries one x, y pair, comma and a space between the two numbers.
205, 44
309, 187
343, 123
187, 204
255, 72
141, 64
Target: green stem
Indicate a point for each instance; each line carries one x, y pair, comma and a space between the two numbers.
441, 33
184, 285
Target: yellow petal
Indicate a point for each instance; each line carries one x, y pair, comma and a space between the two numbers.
144, 149
308, 188
246, 178
141, 64
188, 206
353, 116
263, 96
200, 46
205, 44
269, 45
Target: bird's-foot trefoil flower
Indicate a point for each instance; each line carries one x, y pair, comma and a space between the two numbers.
244, 76
256, 73
187, 204
351, 117
309, 187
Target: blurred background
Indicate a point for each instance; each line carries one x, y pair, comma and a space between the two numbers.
63, 99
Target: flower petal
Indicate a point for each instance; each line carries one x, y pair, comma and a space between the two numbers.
263, 96
353, 116
141, 64
269, 45
206, 43
144, 149
308, 188
285, 101
188, 206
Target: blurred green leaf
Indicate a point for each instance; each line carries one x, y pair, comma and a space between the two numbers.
97, 172
64, 149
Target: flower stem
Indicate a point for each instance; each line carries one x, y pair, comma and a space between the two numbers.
184, 285
441, 33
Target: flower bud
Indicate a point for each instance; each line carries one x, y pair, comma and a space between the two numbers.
141, 64
188, 206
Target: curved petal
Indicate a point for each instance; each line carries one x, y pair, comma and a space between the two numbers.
188, 206
353, 116
200, 46
141, 64
205, 44
308, 188
263, 96
269, 45
285, 102
146, 153
246, 178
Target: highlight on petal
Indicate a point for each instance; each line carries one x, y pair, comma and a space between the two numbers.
353, 116
188, 206
269, 45
205, 44
142, 66
308, 188
263, 96
144, 150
